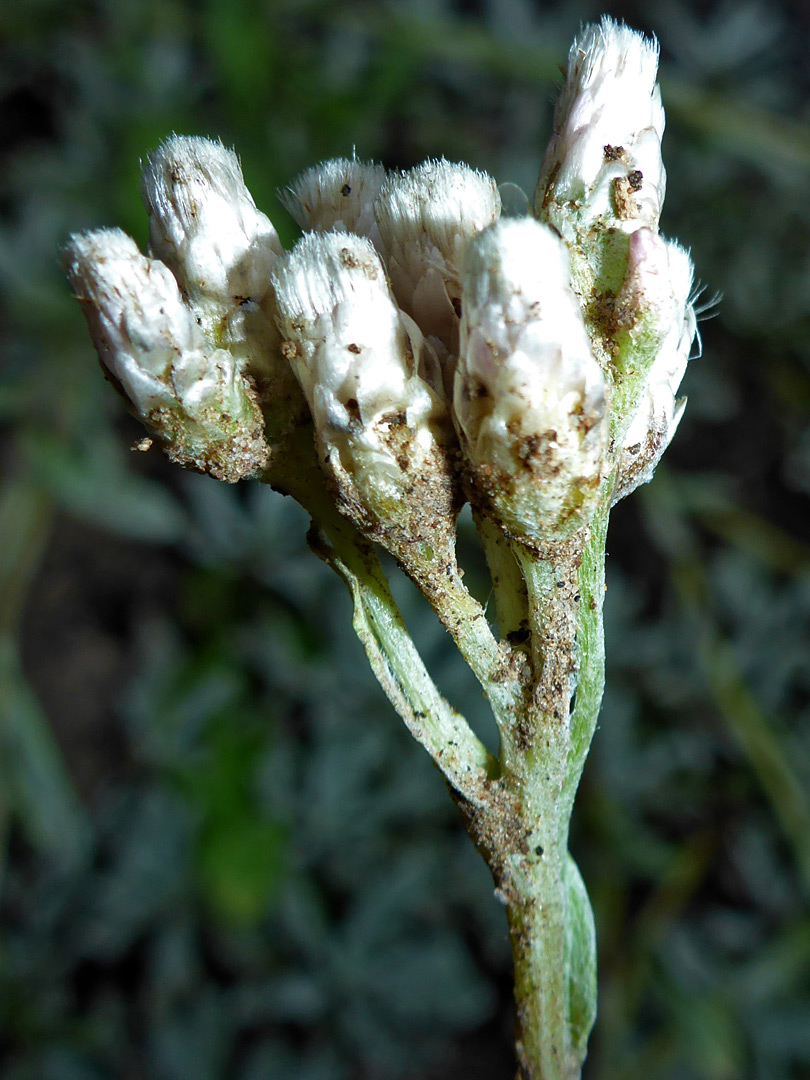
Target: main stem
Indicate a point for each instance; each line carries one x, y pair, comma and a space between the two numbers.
549, 915
518, 809
537, 927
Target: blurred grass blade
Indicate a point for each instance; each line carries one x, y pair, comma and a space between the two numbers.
756, 735
25, 513
92, 481
37, 788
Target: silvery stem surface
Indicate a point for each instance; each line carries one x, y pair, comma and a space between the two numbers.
551, 925
518, 808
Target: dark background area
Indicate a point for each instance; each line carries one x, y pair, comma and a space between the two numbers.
222, 857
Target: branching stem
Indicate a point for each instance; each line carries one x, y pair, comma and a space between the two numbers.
378, 623
433, 722
465, 620
551, 925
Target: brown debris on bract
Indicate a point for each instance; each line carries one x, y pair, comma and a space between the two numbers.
290, 350
424, 511
624, 188
542, 204
637, 462
615, 153
201, 445
489, 489
243, 458
368, 265
537, 452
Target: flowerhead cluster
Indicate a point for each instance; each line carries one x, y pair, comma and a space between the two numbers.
436, 350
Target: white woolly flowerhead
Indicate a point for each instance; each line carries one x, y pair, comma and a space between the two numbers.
529, 396
204, 224
604, 160
192, 397
336, 195
426, 219
655, 309
378, 425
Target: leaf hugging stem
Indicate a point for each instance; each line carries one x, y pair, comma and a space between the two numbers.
545, 693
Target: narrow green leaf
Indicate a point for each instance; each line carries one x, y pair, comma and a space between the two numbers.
580, 943
39, 790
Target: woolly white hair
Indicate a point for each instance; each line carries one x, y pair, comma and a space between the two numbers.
605, 154
529, 396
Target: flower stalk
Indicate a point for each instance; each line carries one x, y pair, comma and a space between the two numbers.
414, 352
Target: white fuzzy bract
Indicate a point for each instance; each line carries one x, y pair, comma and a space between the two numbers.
336, 195
426, 218
529, 396
561, 342
655, 304
604, 159
356, 357
190, 395
204, 224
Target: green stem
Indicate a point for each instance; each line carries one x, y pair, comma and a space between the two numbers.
518, 809
466, 622
508, 586
550, 921
537, 925
398, 667
540, 750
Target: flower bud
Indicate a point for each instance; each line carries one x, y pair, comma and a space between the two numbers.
657, 327
204, 224
381, 431
529, 396
336, 195
192, 398
426, 219
603, 164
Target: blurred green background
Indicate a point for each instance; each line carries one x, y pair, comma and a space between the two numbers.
222, 857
